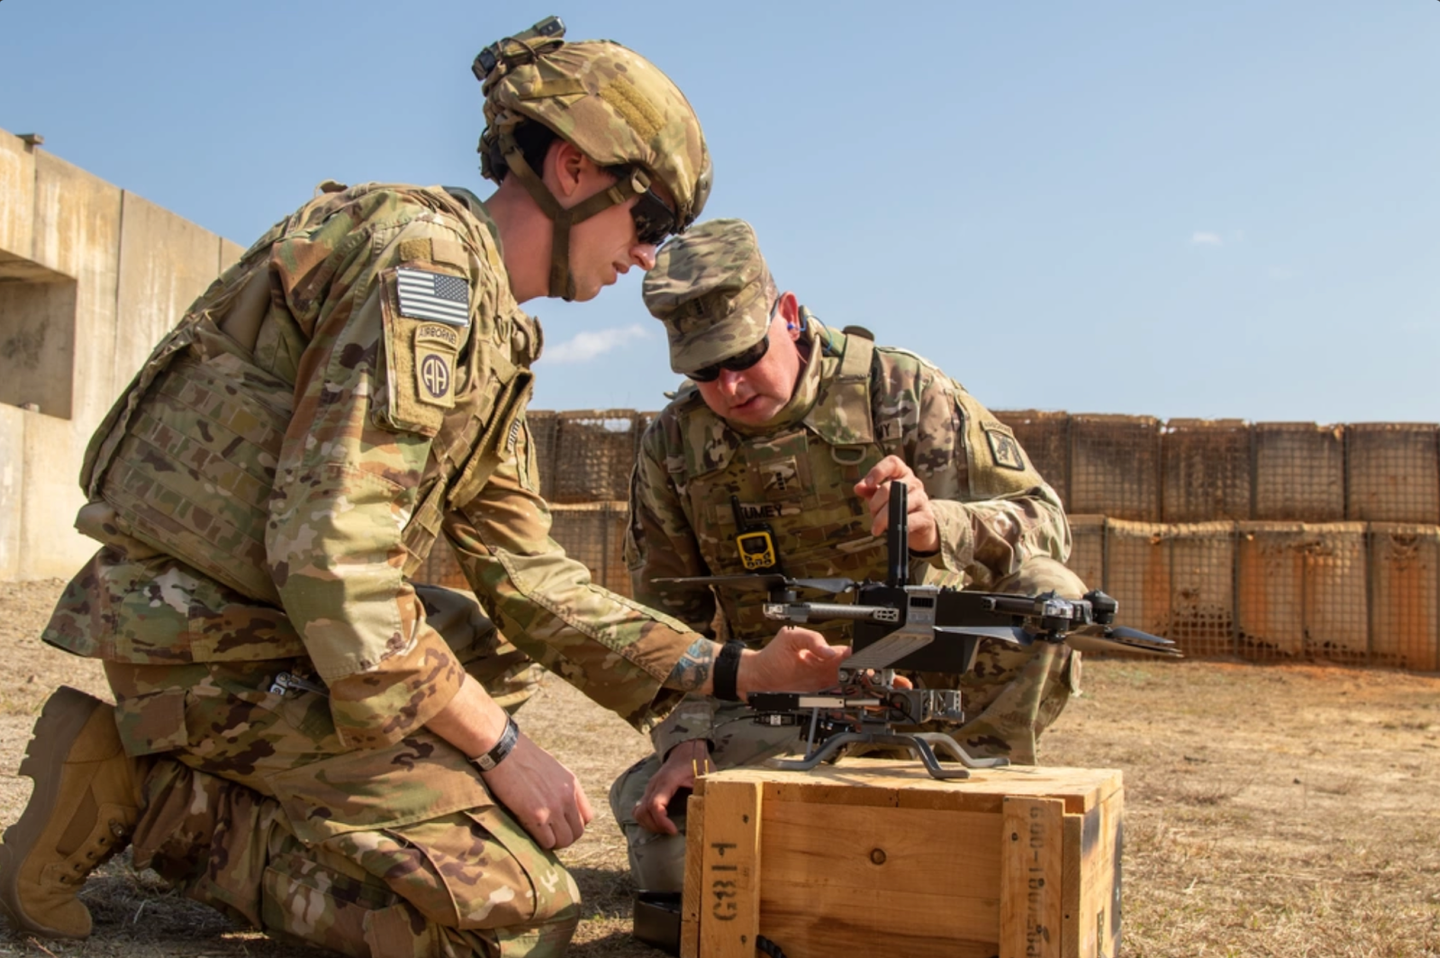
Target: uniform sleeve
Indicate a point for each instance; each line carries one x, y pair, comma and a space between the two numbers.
347, 482
660, 543
618, 652
991, 506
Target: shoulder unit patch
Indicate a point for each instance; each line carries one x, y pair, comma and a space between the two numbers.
1004, 449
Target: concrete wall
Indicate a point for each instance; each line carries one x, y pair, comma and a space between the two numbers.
90, 277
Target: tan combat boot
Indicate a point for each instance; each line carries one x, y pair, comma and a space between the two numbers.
82, 810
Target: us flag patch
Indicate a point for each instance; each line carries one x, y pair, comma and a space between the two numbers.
426, 295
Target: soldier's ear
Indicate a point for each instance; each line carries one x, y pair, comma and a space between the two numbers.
789, 310
565, 168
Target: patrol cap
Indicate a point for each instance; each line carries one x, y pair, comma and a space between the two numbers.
709, 287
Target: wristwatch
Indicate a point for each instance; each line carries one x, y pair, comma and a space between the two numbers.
502, 748
727, 670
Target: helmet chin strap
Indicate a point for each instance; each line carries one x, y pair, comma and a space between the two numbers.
562, 281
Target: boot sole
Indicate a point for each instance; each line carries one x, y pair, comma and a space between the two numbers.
61, 720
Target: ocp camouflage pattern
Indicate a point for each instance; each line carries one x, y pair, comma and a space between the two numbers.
854, 405
363, 475
713, 292
263, 491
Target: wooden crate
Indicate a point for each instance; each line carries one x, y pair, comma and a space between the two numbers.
877, 858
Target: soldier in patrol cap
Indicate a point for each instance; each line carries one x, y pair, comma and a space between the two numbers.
302, 738
794, 429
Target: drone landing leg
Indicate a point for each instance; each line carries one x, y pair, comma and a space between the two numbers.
831, 745
944, 743
922, 744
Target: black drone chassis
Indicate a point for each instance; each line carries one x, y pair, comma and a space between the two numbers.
921, 628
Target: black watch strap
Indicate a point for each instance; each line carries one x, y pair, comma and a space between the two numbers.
727, 670
502, 748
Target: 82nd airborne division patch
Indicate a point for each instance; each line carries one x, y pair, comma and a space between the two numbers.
436, 346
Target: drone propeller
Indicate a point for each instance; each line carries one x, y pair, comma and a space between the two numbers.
759, 582
1119, 638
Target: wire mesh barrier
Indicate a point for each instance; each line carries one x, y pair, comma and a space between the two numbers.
1270, 590
1202, 588
1175, 580
1206, 470
1405, 595
594, 453
1115, 466
1391, 472
1302, 590
1045, 437
1137, 573
1337, 599
1296, 581
594, 533
1087, 555
1299, 472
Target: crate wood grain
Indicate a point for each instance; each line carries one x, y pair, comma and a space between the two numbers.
877, 858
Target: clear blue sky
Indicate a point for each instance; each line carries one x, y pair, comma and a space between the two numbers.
1225, 208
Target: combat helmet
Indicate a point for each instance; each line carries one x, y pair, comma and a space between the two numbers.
611, 103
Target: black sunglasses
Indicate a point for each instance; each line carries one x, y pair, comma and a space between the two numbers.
736, 364
654, 220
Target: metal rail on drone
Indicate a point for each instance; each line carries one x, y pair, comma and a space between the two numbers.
921, 628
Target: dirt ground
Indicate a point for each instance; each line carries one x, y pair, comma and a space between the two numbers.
1270, 810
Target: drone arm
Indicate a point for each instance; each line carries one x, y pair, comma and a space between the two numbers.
822, 611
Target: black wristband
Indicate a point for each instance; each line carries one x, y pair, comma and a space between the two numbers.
727, 670
502, 748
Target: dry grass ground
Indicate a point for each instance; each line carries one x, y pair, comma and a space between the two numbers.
1271, 811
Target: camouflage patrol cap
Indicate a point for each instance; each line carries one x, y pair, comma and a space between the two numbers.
709, 287
612, 103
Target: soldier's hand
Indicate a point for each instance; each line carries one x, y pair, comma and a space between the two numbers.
875, 490
543, 795
677, 772
797, 660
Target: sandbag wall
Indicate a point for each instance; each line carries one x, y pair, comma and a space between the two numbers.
1262, 540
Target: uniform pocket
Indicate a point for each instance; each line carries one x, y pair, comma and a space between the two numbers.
420, 777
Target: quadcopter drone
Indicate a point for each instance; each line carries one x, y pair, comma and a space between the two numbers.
924, 628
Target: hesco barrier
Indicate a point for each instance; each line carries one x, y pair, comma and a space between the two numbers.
1303, 591
1087, 553
1404, 585
1206, 470
1136, 468
1115, 466
1346, 592
1391, 472
1263, 566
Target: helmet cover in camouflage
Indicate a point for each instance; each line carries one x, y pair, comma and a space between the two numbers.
612, 103
710, 288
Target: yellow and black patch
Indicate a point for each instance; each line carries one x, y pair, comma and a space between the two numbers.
1003, 447
435, 347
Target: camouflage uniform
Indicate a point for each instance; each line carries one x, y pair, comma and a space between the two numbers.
1001, 527
281, 465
